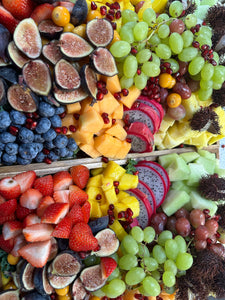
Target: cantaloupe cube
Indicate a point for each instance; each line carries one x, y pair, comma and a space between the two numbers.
118, 112
113, 170
112, 83
128, 181
73, 108
117, 131
101, 132
108, 104
133, 204
95, 209
110, 195
87, 105
89, 150
83, 137
69, 120
123, 151
91, 121
108, 125
129, 100
118, 229
95, 181
107, 145
120, 121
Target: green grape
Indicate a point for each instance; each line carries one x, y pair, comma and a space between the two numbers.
151, 286
99, 293
156, 274
180, 273
173, 64
169, 290
164, 236
196, 77
134, 276
91, 260
140, 31
143, 55
184, 261
130, 245
162, 18
218, 75
120, 48
175, 9
128, 261
205, 30
169, 278
207, 71
126, 34
188, 38
176, 42
188, 54
181, 243
115, 256
217, 86
137, 233
196, 65
149, 16
159, 254
163, 31
154, 40
143, 251
149, 263
169, 265
204, 94
171, 249
150, 69
129, 25
216, 57
125, 82
140, 81
190, 20
163, 51
165, 41
114, 274
130, 66
122, 249
206, 84
149, 234
204, 40
141, 46
221, 69
128, 15
155, 59
115, 288
143, 292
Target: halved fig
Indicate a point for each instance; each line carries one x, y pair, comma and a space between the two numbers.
79, 12
5, 38
54, 246
91, 277
37, 76
34, 295
41, 281
66, 76
10, 294
22, 99
68, 97
16, 274
78, 290
4, 63
89, 80
51, 100
59, 282
9, 74
66, 264
17, 57
107, 241
103, 62
27, 38
49, 30
99, 32
73, 46
26, 276
51, 52
3, 98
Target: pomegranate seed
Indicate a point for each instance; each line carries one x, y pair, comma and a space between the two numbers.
98, 197
13, 130
111, 206
192, 233
104, 298
76, 116
103, 10
110, 17
129, 212
116, 5
167, 64
29, 115
113, 121
151, 58
111, 11
117, 191
58, 129
207, 216
209, 241
213, 62
106, 120
158, 298
193, 30
93, 5
62, 115
104, 91
129, 140
210, 51
169, 71
101, 84
203, 23
136, 173
197, 27
206, 211
205, 47
195, 44
125, 92
82, 255
121, 214
117, 96
114, 25
211, 56
35, 115
133, 50
136, 104
99, 96
33, 125
64, 129
129, 219
139, 71
72, 128
111, 220
217, 218
104, 114
110, 213
46, 151
218, 235
47, 160
29, 120
116, 183
105, 159
127, 119
108, 4
138, 296
118, 14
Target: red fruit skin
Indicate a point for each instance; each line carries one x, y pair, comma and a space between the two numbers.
42, 12
22, 212
86, 210
8, 208
54, 213
63, 229
30, 199
9, 188
25, 180
44, 185
19, 242
11, 229
6, 245
78, 196
108, 265
44, 203
7, 218
80, 175
2, 199
61, 196
76, 214
20, 9
31, 219
68, 5
62, 180
38, 232
7, 19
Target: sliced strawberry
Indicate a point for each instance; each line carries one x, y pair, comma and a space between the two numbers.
69, 5
9, 188
76, 214
30, 220
62, 180
8, 208
44, 185
38, 232
54, 213
11, 229
22, 212
81, 238
25, 180
30, 199
2, 199
86, 209
6, 245
78, 196
7, 218
61, 196
80, 175
19, 242
42, 12
20, 9
63, 229
44, 203
7, 19
108, 265
36, 253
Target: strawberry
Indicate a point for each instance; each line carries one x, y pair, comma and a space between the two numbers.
38, 232
11, 229
62, 180
63, 229
54, 213
36, 253
80, 175
76, 214
44, 203
19, 242
20, 9
7, 218
61, 196
7, 19
22, 212
30, 220
77, 196
68, 5
86, 209
25, 180
108, 265
42, 12
2, 199
6, 245
30, 199
44, 185
8, 208
81, 238
9, 188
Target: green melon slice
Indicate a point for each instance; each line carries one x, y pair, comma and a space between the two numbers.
174, 200
189, 156
178, 170
197, 201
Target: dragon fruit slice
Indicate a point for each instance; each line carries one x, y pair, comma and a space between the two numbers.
149, 193
145, 208
142, 139
154, 180
154, 104
158, 168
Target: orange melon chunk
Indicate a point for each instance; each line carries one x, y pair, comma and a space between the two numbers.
89, 150
91, 121
107, 145
108, 104
86, 105
83, 137
129, 100
124, 150
117, 131
69, 120
73, 108
118, 112
112, 83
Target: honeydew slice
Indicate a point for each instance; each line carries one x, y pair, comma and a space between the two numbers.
199, 202
174, 200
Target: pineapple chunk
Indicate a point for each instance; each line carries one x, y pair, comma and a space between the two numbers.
118, 229
118, 207
95, 181
122, 195
113, 170
104, 209
111, 196
93, 191
107, 183
96, 171
128, 181
133, 204
95, 209
166, 123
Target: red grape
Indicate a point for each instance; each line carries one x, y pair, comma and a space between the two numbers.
200, 244
177, 26
197, 218
201, 233
212, 226
171, 224
183, 67
183, 226
177, 113
163, 217
157, 223
182, 212
218, 249
182, 89
193, 85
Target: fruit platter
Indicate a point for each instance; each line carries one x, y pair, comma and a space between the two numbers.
111, 115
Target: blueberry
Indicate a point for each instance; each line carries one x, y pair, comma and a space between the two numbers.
11, 148
99, 224
5, 120
17, 117
8, 160
38, 138
60, 141
45, 109
69, 153
43, 125
38, 146
25, 135
61, 152
23, 161
40, 157
60, 110
6, 137
53, 156
49, 145
50, 135
72, 145
56, 121
28, 151
2, 146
